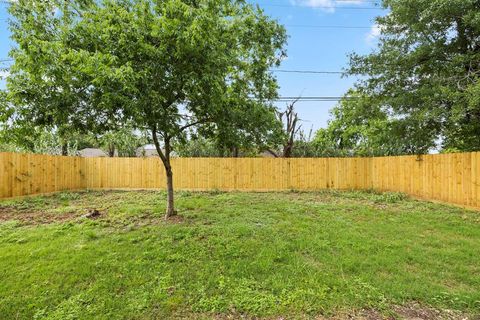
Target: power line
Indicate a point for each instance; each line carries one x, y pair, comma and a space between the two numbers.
375, 3
375, 7
312, 98
273, 70
361, 2
326, 26
309, 97
321, 7
309, 26
308, 71
310, 101
306, 101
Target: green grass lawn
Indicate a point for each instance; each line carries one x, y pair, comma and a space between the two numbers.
292, 255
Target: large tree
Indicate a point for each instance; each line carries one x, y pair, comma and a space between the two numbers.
45, 86
425, 71
166, 65
360, 125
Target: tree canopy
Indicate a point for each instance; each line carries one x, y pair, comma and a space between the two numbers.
422, 82
361, 126
166, 66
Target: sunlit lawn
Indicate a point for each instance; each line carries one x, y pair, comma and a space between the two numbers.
234, 254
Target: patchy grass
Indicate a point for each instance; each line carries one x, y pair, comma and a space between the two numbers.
293, 254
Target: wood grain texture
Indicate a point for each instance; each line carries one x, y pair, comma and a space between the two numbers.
453, 178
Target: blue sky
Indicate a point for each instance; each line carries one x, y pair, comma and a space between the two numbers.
310, 47
322, 49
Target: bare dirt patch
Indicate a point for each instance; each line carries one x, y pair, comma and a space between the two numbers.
93, 214
29, 217
149, 219
35, 217
176, 219
410, 311
415, 311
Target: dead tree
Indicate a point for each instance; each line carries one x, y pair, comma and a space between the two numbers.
291, 127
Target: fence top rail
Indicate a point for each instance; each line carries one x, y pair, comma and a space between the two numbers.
250, 158
39, 155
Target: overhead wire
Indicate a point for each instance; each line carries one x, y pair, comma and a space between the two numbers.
326, 26
312, 98
272, 70
321, 7
316, 98
307, 71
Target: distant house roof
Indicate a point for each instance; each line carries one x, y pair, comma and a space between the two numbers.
149, 147
92, 152
149, 150
266, 154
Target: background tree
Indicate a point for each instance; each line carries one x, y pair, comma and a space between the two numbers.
197, 146
305, 146
246, 134
425, 72
361, 126
45, 86
122, 142
43, 140
166, 66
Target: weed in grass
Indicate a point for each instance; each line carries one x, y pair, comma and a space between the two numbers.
390, 197
184, 194
91, 235
64, 196
214, 192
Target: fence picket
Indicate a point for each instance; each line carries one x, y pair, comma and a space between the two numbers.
451, 178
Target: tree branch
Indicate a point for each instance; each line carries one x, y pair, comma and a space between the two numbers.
273, 153
157, 146
189, 125
193, 124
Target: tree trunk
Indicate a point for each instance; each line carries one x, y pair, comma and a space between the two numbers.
287, 150
235, 152
291, 128
165, 157
111, 150
170, 198
64, 149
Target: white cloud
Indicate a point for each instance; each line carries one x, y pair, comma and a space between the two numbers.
373, 34
325, 5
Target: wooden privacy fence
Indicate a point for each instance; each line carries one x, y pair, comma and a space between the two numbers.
451, 178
